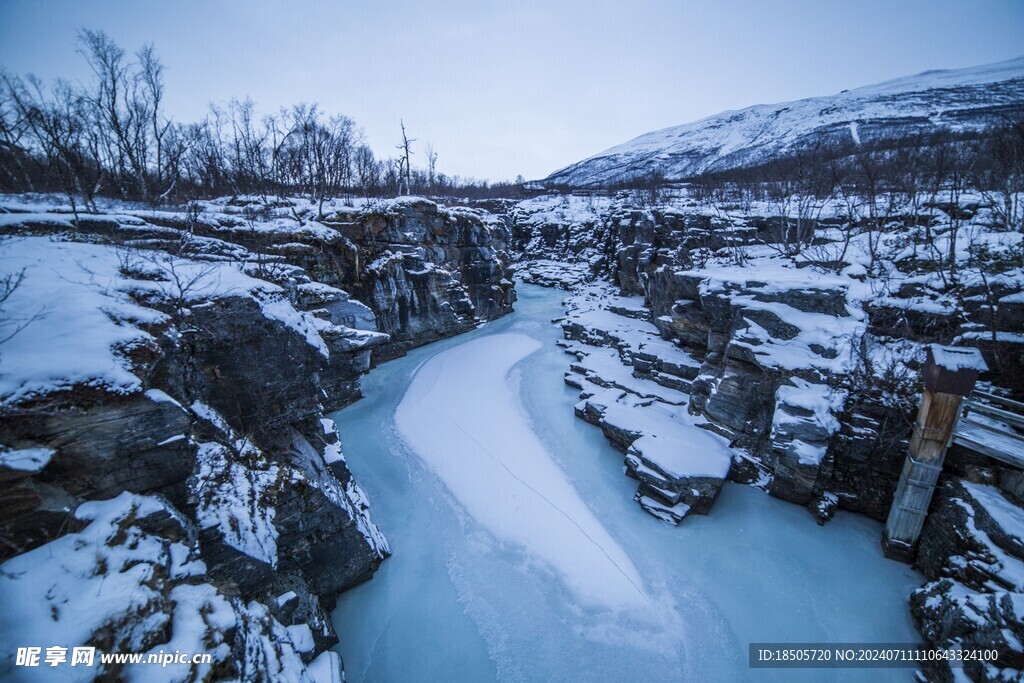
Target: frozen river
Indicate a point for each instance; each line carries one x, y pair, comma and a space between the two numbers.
520, 555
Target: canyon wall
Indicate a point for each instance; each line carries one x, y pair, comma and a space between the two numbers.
170, 478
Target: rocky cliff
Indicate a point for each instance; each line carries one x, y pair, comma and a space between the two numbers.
806, 365
425, 271
972, 553
170, 479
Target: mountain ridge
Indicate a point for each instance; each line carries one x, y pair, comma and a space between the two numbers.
960, 101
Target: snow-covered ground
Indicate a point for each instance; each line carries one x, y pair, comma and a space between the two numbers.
756, 569
75, 317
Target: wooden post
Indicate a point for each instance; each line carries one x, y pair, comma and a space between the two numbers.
949, 374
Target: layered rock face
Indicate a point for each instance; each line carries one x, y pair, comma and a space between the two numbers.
173, 475
775, 365
635, 386
163, 418
972, 552
427, 272
809, 370
424, 271
764, 355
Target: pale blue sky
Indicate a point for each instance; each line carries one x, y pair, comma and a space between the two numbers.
502, 88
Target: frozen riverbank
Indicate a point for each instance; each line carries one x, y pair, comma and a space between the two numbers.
466, 598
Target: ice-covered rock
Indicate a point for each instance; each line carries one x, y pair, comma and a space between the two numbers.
426, 271
687, 466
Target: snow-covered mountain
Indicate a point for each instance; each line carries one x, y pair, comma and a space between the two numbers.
960, 101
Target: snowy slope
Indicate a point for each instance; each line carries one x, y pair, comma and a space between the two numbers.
961, 100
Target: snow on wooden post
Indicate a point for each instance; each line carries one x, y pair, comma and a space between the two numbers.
949, 374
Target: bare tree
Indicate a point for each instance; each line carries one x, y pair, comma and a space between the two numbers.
14, 130
367, 169
431, 166
406, 149
148, 100
1001, 176
58, 126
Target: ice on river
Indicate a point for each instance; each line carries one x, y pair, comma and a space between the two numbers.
489, 582
462, 416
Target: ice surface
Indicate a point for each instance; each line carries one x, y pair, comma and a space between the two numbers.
755, 569
461, 416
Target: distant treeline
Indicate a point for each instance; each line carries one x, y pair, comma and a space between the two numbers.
923, 167
112, 137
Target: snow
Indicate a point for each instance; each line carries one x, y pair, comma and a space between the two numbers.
461, 417
332, 451
210, 415
603, 367
236, 501
955, 359
301, 637
326, 668
268, 648
234, 487
1008, 516
26, 459
821, 400
75, 320
197, 608
79, 320
66, 590
553, 273
125, 590
349, 497
160, 397
666, 435
1009, 568
666, 513
685, 452
1001, 336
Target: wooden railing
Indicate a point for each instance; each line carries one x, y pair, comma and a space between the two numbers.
993, 426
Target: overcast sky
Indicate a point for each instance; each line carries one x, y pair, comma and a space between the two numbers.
507, 88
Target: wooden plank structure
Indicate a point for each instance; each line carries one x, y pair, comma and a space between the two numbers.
949, 375
994, 428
